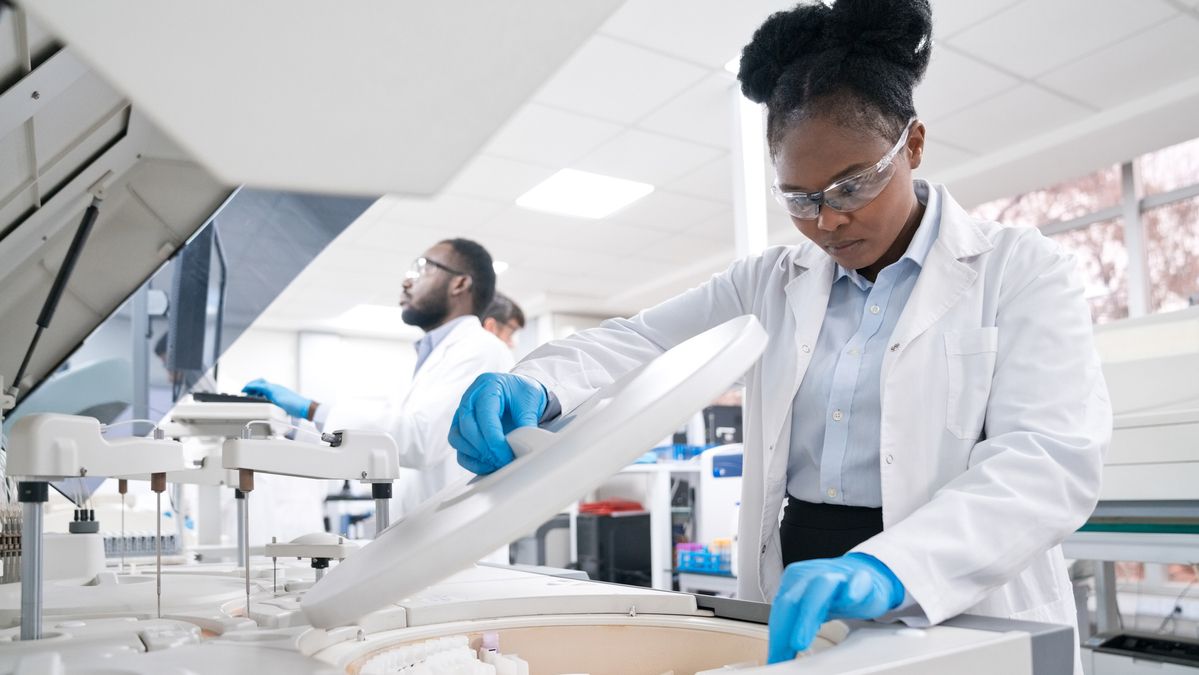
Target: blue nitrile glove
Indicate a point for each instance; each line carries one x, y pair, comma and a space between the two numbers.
493, 405
854, 586
292, 403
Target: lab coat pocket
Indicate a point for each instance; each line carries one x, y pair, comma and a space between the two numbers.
970, 358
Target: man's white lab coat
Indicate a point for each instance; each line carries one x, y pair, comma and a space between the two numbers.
419, 418
995, 415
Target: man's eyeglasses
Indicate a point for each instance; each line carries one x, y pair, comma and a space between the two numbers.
847, 194
422, 263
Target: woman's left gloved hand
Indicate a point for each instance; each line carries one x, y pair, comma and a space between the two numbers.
854, 586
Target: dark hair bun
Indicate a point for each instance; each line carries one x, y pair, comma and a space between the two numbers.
897, 31
782, 39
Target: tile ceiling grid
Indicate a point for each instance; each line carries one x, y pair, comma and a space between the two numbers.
965, 31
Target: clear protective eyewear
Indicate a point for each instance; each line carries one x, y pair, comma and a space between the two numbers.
422, 263
847, 194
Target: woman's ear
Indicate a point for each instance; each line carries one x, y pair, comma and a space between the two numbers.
916, 145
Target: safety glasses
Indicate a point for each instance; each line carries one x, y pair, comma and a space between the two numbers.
847, 194
422, 263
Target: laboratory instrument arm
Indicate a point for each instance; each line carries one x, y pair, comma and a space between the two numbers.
1034, 477
575, 367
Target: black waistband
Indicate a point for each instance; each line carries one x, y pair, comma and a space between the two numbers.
831, 516
825, 530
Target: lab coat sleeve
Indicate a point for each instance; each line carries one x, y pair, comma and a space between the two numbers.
1036, 476
420, 428
574, 368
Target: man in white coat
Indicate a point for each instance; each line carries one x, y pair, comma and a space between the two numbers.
929, 413
444, 294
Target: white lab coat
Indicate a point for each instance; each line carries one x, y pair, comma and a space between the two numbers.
420, 416
995, 415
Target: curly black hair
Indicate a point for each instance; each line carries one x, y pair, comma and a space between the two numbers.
475, 261
856, 59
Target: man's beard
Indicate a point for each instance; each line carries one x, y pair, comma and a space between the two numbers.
430, 315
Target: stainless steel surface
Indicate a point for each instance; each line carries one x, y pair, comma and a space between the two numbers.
31, 570
158, 552
245, 543
241, 526
124, 541
1107, 614
382, 515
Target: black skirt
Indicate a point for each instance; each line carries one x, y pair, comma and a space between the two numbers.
825, 530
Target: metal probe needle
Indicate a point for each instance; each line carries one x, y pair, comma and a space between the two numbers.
158, 483
246, 484
158, 552
123, 487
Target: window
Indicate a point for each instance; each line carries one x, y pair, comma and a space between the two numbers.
1065, 201
1103, 265
1170, 168
1172, 254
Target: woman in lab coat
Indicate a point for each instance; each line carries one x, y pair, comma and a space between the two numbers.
929, 413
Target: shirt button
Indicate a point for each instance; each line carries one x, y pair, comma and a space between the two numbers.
806, 349
853, 352
832, 492
763, 548
837, 415
890, 459
875, 309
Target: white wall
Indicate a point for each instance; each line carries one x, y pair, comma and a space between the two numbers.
323, 366
269, 354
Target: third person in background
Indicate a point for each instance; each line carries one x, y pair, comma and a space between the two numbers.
503, 318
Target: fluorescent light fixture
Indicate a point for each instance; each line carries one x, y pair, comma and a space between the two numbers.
734, 64
499, 266
582, 194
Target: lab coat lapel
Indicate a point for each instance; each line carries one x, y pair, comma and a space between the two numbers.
945, 278
807, 299
429, 367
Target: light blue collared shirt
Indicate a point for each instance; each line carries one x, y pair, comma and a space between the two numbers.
836, 423
429, 341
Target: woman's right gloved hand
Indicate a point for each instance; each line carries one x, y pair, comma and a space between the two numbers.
494, 405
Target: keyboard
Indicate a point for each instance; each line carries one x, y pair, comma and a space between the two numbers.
213, 397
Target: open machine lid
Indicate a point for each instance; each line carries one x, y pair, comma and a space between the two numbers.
553, 468
359, 98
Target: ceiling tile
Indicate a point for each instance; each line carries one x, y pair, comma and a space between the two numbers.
549, 136
713, 180
420, 221
650, 158
683, 248
1153, 59
1035, 37
706, 31
669, 211
954, 82
951, 16
702, 114
521, 224
495, 178
618, 81
1013, 116
719, 226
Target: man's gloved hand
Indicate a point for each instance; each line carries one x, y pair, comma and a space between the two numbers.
291, 402
494, 405
854, 586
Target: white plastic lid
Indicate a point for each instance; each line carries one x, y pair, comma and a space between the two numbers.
470, 519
